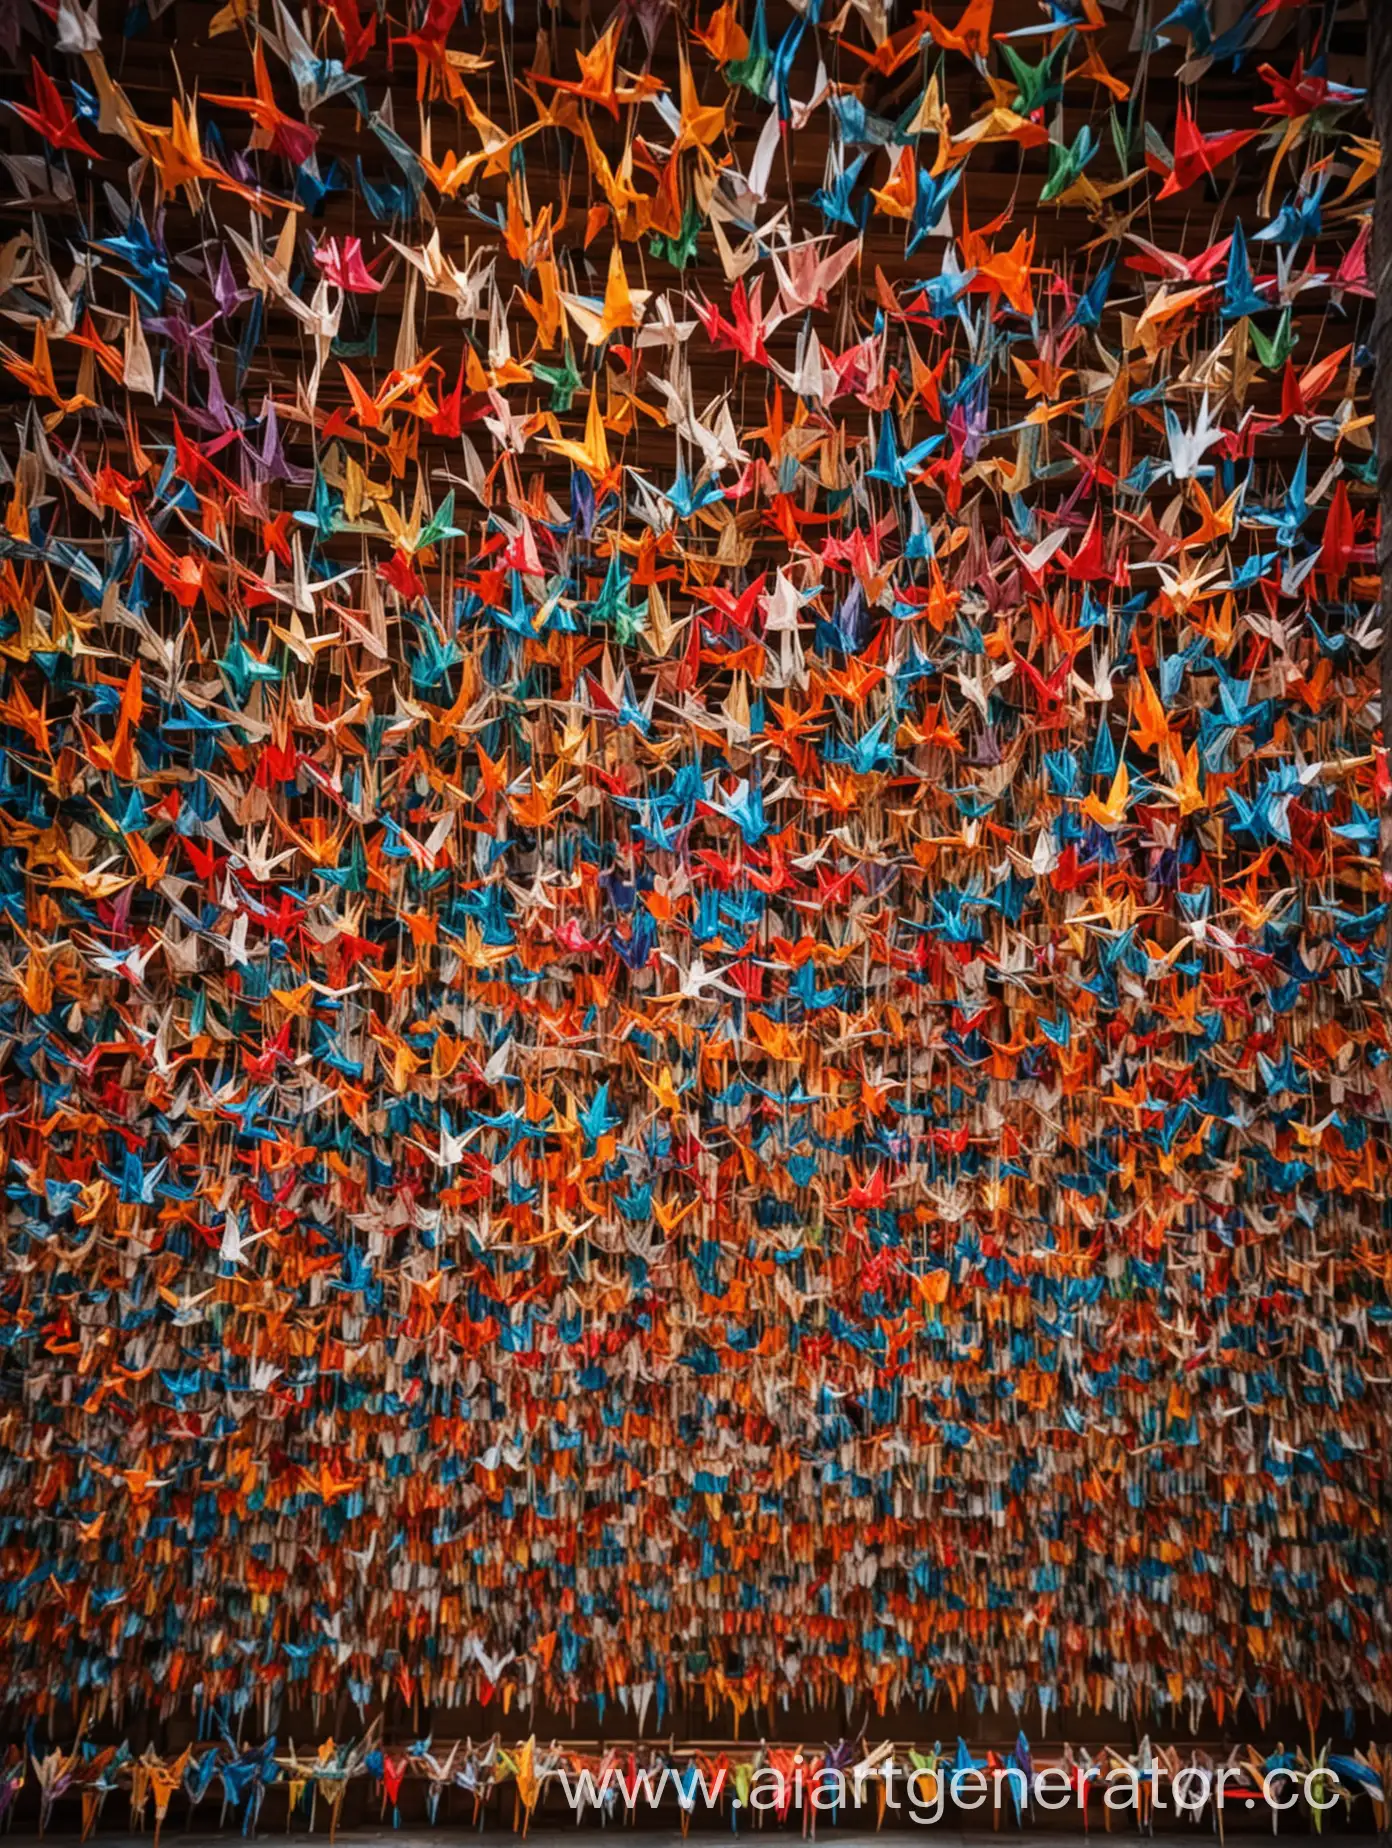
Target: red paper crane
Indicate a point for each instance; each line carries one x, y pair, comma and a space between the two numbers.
53, 118
1196, 154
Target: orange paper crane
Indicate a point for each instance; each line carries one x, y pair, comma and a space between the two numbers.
972, 33
596, 83
274, 129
